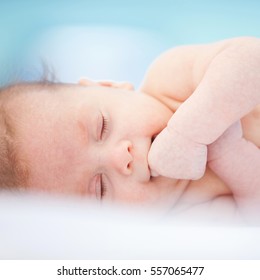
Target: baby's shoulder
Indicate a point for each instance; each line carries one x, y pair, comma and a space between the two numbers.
175, 74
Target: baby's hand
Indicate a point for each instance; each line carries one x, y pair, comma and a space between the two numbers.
226, 142
173, 155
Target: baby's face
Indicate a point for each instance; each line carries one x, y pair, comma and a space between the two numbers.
93, 141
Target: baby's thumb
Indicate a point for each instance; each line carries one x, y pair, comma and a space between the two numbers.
152, 167
152, 160
156, 155
154, 173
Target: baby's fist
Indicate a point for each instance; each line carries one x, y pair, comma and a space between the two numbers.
173, 155
226, 142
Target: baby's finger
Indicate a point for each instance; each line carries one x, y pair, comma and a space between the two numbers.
154, 173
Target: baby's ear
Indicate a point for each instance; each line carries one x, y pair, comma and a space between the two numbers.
86, 82
122, 85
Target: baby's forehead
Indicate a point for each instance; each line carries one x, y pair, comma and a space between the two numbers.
34, 94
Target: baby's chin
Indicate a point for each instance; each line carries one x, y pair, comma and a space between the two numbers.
168, 190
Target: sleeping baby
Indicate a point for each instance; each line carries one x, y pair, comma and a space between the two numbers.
176, 144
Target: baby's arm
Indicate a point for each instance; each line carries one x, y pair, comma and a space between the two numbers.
237, 162
229, 89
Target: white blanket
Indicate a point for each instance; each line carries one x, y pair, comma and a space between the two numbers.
42, 227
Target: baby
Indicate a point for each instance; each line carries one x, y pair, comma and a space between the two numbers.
95, 139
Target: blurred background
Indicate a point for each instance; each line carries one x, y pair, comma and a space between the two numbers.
114, 39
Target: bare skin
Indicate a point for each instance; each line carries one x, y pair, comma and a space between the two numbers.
175, 75
71, 149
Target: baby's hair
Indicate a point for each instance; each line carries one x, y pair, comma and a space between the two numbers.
14, 171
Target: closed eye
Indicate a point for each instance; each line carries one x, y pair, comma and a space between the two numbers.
103, 187
100, 187
104, 127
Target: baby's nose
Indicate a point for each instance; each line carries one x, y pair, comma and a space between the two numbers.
121, 157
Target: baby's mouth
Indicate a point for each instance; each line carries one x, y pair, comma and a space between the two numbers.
152, 173
153, 137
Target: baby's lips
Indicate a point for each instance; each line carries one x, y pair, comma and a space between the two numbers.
154, 137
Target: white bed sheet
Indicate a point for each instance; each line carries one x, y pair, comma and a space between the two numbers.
42, 227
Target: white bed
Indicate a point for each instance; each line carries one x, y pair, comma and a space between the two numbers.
43, 227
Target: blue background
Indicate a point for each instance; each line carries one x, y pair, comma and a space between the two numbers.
111, 39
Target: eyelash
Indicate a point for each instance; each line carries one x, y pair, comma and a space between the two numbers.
104, 127
103, 187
